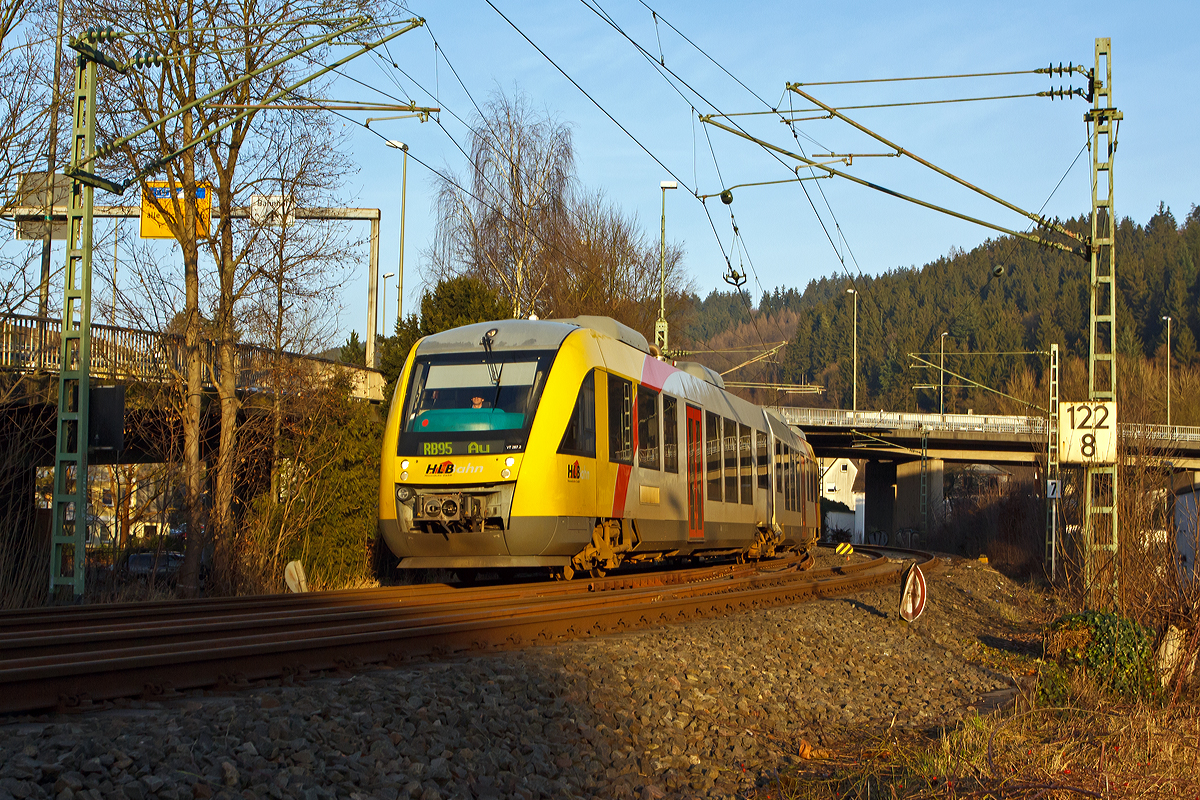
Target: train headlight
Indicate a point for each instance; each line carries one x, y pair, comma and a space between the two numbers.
403, 494
505, 473
450, 508
403, 476
404, 464
508, 462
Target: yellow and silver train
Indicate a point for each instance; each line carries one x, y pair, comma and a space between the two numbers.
568, 445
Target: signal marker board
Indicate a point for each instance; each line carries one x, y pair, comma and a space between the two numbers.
1087, 433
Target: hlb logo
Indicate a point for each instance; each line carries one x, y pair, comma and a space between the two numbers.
444, 468
573, 472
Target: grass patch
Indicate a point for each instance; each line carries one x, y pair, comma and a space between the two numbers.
1100, 751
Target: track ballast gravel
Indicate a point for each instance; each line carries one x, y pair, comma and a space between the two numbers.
709, 708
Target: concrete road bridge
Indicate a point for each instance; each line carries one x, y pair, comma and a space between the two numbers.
900, 448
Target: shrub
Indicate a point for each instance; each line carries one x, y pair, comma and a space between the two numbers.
1115, 653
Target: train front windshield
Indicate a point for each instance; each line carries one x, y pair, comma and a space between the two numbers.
467, 404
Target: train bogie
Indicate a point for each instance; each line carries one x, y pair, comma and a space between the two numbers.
568, 445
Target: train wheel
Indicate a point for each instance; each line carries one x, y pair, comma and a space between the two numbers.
565, 573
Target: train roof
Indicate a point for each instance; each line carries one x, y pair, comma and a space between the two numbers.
528, 334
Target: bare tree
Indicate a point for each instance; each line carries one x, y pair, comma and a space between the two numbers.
605, 264
209, 43
522, 226
25, 58
503, 223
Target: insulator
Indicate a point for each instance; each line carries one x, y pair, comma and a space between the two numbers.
148, 59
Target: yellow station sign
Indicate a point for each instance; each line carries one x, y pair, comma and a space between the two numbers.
154, 225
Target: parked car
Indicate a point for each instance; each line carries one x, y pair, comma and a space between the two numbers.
162, 566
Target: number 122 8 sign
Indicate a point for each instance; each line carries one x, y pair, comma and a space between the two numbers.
1087, 433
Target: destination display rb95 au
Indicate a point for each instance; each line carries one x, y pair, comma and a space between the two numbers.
462, 448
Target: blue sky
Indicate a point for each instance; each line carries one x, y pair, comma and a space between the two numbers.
1018, 149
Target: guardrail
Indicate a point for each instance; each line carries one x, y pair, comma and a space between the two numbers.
1020, 426
34, 344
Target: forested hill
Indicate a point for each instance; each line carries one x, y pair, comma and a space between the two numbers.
1041, 298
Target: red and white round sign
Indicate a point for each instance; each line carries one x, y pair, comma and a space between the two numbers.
912, 594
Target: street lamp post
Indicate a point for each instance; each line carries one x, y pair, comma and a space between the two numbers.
403, 198
942, 376
1168, 321
855, 359
660, 327
383, 303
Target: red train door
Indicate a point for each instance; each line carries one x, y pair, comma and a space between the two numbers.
695, 473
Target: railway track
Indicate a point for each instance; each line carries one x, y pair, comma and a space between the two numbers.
71, 658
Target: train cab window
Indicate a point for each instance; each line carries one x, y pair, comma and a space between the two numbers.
670, 407
760, 452
649, 453
620, 420
746, 459
712, 454
731, 461
580, 436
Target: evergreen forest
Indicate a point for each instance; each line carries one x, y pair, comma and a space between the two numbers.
998, 327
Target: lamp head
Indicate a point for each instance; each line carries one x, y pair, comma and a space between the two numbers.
669, 185
997, 270
387, 275
397, 144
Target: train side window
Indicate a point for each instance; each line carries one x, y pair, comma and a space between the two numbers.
649, 454
778, 466
712, 454
670, 433
620, 420
796, 481
580, 437
760, 450
790, 473
731, 461
746, 457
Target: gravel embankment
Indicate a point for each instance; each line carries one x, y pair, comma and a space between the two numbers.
705, 709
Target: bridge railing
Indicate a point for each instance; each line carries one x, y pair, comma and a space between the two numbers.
897, 420
1156, 435
29, 344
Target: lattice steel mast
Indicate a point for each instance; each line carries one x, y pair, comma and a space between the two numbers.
1101, 480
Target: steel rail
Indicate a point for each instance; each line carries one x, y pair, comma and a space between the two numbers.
165, 611
261, 621
28, 684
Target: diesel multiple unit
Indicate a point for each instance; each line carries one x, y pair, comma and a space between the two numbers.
570, 445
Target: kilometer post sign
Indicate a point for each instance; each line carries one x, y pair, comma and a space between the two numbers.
154, 226
1087, 433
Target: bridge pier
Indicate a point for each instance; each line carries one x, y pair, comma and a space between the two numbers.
908, 493
893, 495
880, 502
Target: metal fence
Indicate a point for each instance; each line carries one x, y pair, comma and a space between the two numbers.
34, 344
